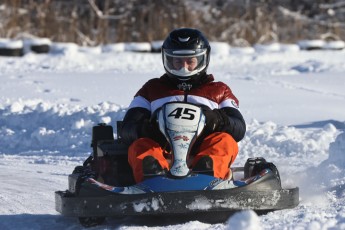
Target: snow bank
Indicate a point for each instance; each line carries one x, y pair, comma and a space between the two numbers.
36, 126
64, 48
242, 50
118, 47
138, 47
37, 41
321, 44
311, 44
322, 191
337, 151
220, 48
156, 45
277, 142
273, 47
276, 47
334, 45
10, 44
332, 171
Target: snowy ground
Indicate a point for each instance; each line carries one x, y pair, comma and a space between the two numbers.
293, 102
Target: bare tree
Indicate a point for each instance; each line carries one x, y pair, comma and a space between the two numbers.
93, 22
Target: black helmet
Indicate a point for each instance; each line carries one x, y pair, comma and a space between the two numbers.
188, 46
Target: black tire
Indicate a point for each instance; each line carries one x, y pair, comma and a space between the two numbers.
16, 52
88, 222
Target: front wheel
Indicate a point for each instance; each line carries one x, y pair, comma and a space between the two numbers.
91, 221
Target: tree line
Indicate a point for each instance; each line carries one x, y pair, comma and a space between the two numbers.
237, 22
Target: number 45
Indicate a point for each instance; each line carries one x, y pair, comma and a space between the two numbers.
183, 113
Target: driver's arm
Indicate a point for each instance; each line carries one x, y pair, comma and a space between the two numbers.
133, 124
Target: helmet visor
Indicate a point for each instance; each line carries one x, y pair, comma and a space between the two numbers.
184, 63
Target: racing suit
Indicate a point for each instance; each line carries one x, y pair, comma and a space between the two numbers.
225, 125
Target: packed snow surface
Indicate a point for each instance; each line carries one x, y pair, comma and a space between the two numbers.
292, 100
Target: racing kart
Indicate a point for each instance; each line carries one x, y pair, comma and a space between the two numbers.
104, 185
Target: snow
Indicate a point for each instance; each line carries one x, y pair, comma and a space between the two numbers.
219, 48
317, 43
334, 45
292, 100
245, 220
273, 47
138, 46
156, 45
28, 43
321, 44
10, 44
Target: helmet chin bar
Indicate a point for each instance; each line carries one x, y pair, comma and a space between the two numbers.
181, 123
184, 72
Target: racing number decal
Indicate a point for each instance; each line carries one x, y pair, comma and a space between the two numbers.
183, 113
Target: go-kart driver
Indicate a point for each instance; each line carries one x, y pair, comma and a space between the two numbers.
186, 56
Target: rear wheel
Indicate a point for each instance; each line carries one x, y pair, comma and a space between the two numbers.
91, 221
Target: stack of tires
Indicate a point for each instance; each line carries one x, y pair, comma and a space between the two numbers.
38, 45
12, 48
17, 48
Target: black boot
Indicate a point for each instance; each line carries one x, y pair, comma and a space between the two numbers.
204, 166
151, 167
